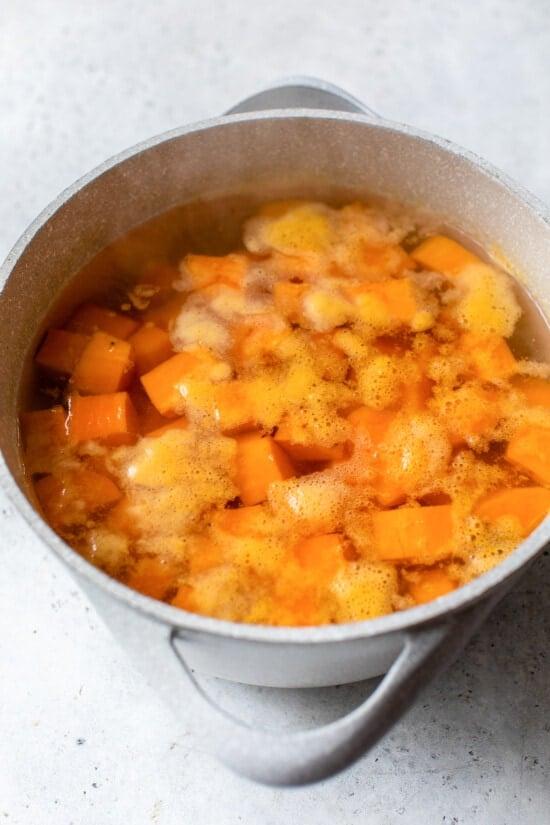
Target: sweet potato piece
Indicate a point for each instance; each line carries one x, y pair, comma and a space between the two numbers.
372, 423
234, 408
397, 297
75, 495
442, 254
241, 521
184, 598
321, 555
528, 505
260, 461
414, 534
105, 366
430, 584
151, 346
205, 556
109, 418
149, 417
289, 300
529, 450
295, 442
152, 576
175, 424
90, 318
61, 350
44, 434
490, 356
535, 390
201, 271
164, 383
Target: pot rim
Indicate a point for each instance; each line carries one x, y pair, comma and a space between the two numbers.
164, 613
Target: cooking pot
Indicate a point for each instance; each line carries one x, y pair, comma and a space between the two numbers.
300, 137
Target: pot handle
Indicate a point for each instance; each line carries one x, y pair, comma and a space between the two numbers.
302, 93
301, 757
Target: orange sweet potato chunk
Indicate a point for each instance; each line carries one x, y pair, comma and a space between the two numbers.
422, 535
490, 356
164, 384
174, 424
321, 555
151, 346
535, 390
109, 418
528, 505
61, 350
529, 450
234, 407
151, 576
260, 461
241, 521
397, 296
105, 365
205, 270
442, 254
90, 318
288, 298
75, 495
296, 442
431, 584
205, 556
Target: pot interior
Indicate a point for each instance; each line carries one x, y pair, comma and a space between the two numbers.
192, 192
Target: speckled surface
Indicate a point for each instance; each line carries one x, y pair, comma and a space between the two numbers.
83, 738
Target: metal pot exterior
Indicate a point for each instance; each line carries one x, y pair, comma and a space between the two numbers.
246, 159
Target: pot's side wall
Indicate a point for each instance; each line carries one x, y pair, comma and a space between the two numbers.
255, 663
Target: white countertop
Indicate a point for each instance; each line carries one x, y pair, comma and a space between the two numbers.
82, 739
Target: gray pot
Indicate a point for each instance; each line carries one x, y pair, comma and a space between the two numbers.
302, 137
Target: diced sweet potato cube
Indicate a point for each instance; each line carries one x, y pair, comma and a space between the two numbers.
430, 584
149, 417
106, 365
321, 555
90, 318
332, 363
535, 390
165, 384
376, 259
234, 408
528, 505
242, 521
529, 450
109, 418
152, 576
442, 254
296, 442
260, 461
200, 271
288, 298
397, 298
468, 412
372, 423
416, 534
44, 434
174, 424
205, 556
122, 519
61, 350
74, 496
184, 598
151, 346
490, 356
